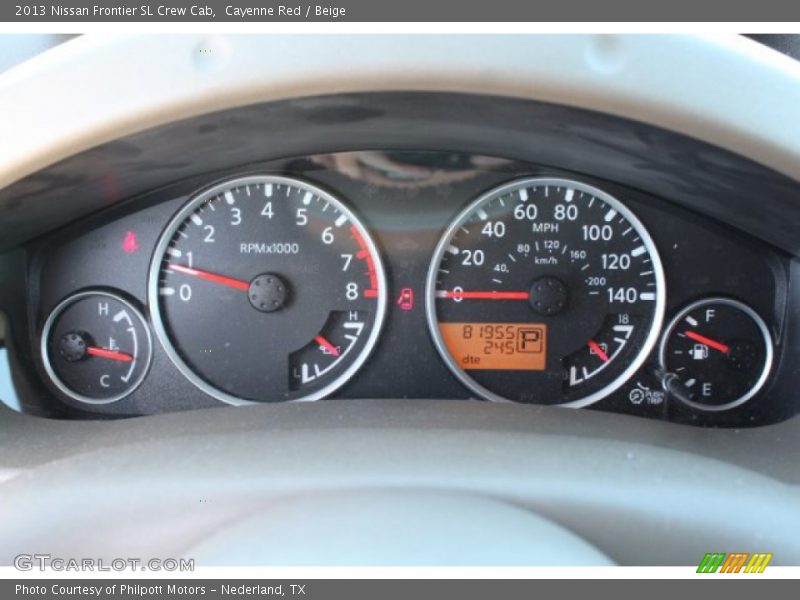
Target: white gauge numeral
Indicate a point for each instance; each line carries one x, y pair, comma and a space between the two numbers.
614, 262
473, 258
301, 217
327, 235
236, 216
624, 295
347, 258
351, 291
566, 211
525, 211
209, 229
494, 229
185, 292
267, 210
594, 233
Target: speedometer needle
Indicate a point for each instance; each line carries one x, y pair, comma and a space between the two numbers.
213, 277
724, 348
491, 295
113, 355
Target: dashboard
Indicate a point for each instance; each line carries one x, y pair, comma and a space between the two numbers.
413, 274
512, 282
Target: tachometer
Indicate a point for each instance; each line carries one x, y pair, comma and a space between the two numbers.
547, 291
267, 288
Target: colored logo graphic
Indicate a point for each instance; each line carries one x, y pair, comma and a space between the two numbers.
739, 562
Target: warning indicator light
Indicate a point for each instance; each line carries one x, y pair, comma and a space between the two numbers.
129, 244
406, 299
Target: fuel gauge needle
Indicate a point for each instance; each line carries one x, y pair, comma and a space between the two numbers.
110, 354
693, 335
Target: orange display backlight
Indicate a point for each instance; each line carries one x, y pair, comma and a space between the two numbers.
497, 346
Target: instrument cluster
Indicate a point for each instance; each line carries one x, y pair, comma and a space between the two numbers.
408, 275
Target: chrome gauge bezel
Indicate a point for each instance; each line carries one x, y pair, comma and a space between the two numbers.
48, 326
769, 356
187, 209
660, 302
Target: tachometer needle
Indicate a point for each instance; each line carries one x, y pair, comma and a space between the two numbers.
595, 347
213, 277
491, 295
327, 345
724, 348
112, 354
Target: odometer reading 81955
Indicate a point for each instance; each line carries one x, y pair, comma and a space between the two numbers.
267, 288
547, 291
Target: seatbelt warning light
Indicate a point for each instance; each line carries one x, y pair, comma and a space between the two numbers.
129, 244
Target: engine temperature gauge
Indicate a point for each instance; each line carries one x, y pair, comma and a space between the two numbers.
721, 350
96, 347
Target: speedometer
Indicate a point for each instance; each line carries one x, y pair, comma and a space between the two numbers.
266, 288
545, 291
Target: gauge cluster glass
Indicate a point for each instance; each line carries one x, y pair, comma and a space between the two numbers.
410, 275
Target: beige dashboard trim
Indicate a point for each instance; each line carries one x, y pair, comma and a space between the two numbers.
726, 90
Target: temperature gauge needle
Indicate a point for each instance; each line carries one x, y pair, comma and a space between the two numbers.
327, 345
693, 335
111, 354
595, 347
485, 295
213, 277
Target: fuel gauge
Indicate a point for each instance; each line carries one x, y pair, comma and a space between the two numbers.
721, 351
96, 347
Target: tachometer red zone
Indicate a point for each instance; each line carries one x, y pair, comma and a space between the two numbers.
365, 255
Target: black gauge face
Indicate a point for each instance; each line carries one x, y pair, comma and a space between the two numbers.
267, 288
547, 291
721, 351
96, 347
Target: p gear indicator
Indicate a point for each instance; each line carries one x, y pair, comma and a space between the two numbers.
497, 346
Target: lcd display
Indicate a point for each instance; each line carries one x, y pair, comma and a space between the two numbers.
497, 346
